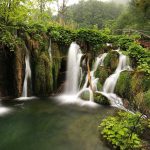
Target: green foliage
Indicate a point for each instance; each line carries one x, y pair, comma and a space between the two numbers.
7, 38
136, 16
93, 13
61, 35
141, 56
93, 37
124, 42
123, 130
12, 12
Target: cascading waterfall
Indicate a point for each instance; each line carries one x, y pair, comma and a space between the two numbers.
27, 75
72, 92
73, 69
110, 83
99, 61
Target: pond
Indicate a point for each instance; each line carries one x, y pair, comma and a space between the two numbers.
45, 124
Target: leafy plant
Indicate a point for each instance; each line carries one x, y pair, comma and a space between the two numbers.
93, 37
61, 35
141, 56
124, 42
123, 130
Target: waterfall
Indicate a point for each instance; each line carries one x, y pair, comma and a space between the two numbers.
73, 69
27, 75
111, 81
50, 49
99, 61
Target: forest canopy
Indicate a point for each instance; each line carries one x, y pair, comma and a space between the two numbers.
134, 14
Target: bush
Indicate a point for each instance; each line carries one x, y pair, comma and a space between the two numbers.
123, 130
141, 56
93, 37
61, 35
124, 42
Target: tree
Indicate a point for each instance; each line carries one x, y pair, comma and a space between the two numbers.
137, 16
92, 13
61, 9
13, 11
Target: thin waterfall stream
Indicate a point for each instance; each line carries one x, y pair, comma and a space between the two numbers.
110, 83
73, 69
27, 75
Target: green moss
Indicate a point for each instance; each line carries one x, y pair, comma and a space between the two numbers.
100, 99
123, 85
43, 75
102, 73
99, 86
85, 95
56, 63
111, 60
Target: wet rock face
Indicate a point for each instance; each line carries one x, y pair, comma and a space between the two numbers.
19, 69
6, 72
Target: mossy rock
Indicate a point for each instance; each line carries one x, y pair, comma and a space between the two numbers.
43, 75
140, 82
142, 102
123, 86
56, 54
99, 86
102, 73
85, 95
101, 99
111, 60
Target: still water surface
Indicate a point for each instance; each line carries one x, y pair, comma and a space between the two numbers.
44, 124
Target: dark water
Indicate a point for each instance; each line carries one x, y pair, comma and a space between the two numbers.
43, 124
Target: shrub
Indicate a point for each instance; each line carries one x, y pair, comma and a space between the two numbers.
141, 56
123, 130
94, 37
124, 42
61, 35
